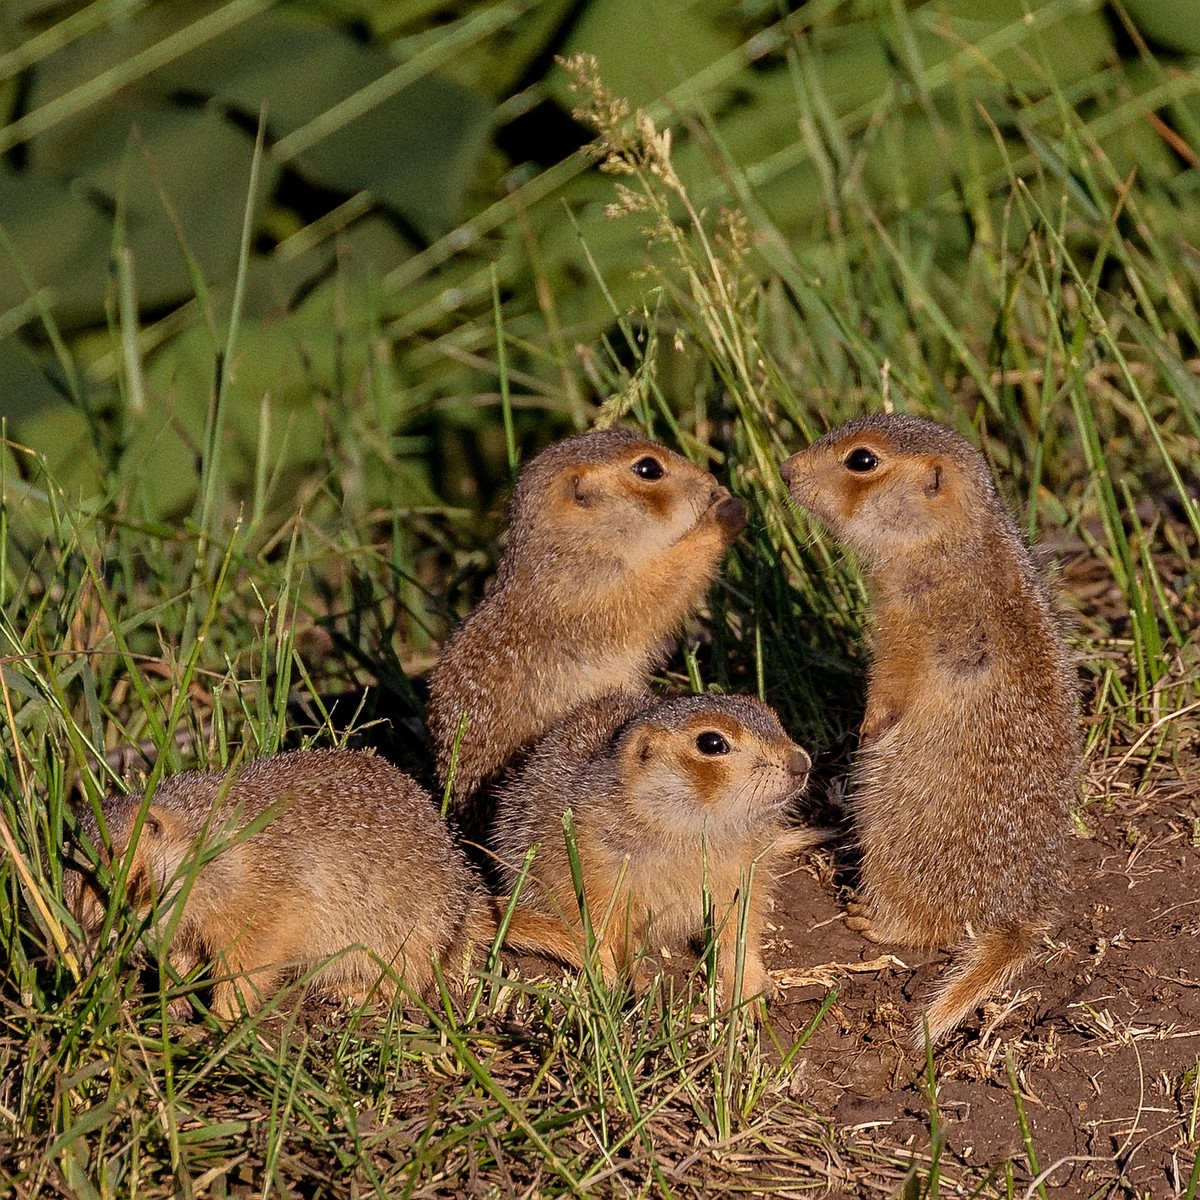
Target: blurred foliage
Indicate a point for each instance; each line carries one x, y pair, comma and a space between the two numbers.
421, 164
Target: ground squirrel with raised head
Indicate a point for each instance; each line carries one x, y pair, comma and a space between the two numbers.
291, 860
969, 756
667, 797
613, 541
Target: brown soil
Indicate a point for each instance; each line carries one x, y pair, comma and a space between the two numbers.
1102, 1030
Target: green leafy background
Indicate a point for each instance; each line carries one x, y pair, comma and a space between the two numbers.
416, 153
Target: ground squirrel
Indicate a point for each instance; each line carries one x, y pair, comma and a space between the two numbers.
613, 541
667, 796
970, 754
293, 859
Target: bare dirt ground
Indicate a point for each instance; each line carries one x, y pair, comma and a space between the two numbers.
1102, 1030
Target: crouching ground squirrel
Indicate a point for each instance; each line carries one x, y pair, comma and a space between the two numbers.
294, 859
969, 756
613, 541
668, 797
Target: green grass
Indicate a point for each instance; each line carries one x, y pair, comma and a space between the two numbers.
1063, 340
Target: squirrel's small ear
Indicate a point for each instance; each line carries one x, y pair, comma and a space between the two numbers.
640, 745
583, 497
160, 824
572, 487
933, 479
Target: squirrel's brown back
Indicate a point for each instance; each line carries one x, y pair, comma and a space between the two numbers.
292, 859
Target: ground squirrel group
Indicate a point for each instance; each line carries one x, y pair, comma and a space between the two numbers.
616, 817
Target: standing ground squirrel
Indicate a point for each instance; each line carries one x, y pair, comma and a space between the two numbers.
970, 754
667, 796
613, 541
293, 859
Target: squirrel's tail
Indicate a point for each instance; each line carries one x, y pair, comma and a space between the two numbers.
537, 933
986, 964
530, 931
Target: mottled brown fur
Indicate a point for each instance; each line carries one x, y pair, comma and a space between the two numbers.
350, 852
600, 570
656, 820
970, 752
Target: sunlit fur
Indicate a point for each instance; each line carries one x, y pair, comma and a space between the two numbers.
970, 752
351, 852
600, 570
656, 821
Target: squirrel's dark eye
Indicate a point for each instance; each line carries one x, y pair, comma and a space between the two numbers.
711, 742
648, 468
861, 461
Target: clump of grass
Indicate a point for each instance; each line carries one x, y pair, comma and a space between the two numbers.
1063, 373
